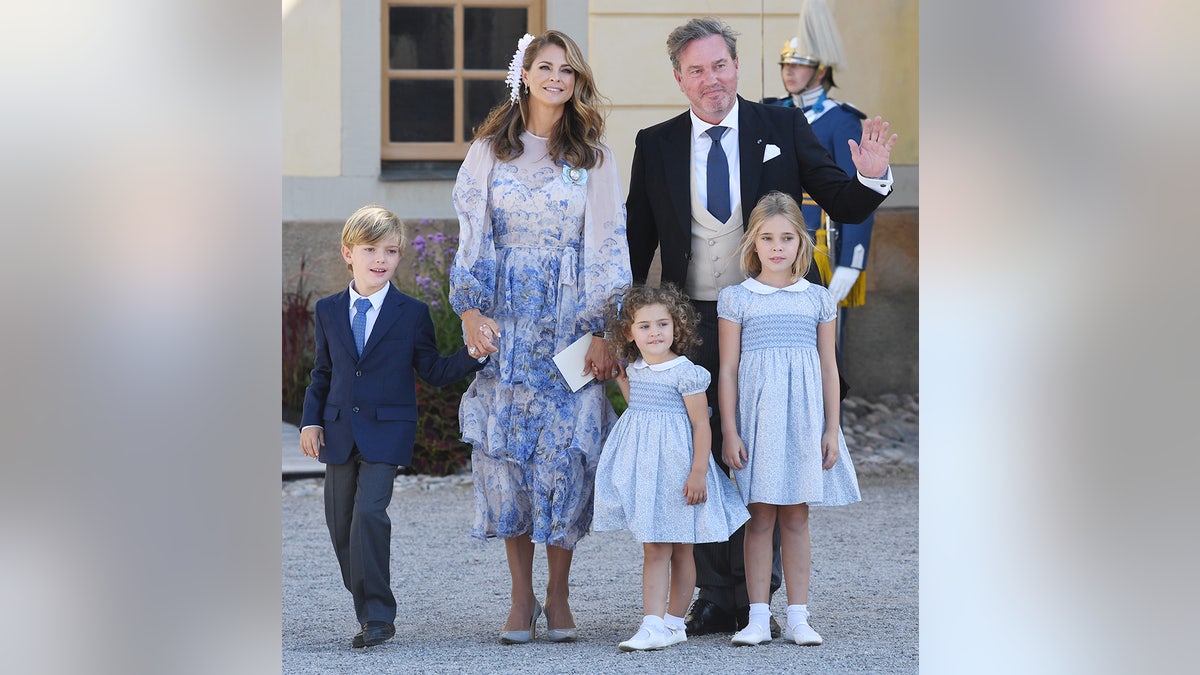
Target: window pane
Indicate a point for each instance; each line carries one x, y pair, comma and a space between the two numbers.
481, 96
422, 111
421, 37
490, 36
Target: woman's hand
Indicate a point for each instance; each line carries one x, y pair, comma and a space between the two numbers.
601, 360
478, 333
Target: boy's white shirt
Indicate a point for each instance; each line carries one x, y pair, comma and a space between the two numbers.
376, 299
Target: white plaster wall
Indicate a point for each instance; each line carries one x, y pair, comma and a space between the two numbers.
320, 196
312, 63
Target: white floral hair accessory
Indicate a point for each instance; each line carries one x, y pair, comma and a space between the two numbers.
514, 68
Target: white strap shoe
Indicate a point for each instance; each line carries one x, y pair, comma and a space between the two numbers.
803, 635
751, 635
645, 640
677, 635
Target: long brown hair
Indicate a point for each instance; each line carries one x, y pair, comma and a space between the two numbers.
576, 137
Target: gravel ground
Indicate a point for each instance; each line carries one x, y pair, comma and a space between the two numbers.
453, 590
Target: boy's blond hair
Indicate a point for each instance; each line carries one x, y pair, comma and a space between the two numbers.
371, 224
775, 203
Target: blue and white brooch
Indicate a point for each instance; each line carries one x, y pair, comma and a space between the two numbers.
574, 175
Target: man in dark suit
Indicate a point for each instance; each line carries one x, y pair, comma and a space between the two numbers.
360, 411
694, 181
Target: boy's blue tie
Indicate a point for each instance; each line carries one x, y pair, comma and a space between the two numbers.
359, 324
718, 176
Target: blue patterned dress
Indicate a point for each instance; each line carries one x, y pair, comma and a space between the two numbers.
541, 255
780, 408
647, 460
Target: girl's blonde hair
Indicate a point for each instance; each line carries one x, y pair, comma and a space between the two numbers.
623, 308
775, 203
576, 138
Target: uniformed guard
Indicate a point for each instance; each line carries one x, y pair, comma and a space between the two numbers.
806, 65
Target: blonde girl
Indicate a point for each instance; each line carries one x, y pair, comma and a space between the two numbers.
778, 392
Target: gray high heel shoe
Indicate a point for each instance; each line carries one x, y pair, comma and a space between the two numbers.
520, 637
560, 634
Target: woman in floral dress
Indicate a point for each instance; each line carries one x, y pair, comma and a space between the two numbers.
542, 249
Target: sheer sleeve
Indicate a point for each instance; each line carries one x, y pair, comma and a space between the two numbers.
605, 266
473, 272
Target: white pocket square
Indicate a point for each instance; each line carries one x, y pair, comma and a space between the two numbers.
771, 152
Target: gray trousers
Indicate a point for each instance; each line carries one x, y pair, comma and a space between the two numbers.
357, 495
721, 566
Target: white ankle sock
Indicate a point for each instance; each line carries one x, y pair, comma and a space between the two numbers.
760, 615
674, 622
797, 614
654, 624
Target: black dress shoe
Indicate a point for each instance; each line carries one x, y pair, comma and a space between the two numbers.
706, 617
373, 633
357, 641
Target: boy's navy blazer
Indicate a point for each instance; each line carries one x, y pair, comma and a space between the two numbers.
371, 400
659, 206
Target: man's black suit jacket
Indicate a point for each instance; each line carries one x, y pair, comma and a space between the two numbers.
659, 203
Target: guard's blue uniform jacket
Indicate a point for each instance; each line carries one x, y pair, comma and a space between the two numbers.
834, 124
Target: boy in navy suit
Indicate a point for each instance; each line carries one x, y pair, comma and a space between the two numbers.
360, 412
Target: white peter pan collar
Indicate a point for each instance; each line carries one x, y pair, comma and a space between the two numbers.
666, 365
759, 287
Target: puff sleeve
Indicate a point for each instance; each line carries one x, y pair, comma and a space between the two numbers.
731, 304
826, 307
693, 380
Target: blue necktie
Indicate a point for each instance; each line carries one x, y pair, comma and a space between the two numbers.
359, 324
718, 176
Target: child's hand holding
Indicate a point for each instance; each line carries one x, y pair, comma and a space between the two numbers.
312, 439
695, 490
733, 451
829, 449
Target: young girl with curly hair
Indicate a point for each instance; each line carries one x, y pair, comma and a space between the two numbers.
657, 476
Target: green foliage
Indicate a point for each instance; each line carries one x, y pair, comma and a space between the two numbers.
613, 392
297, 342
437, 450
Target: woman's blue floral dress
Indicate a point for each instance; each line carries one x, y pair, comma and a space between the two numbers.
542, 250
